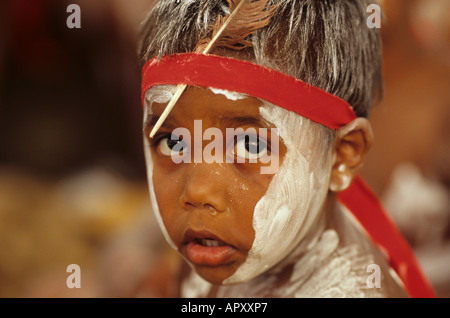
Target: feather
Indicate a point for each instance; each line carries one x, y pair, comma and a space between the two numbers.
230, 31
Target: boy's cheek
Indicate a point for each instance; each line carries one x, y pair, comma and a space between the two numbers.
167, 201
168, 189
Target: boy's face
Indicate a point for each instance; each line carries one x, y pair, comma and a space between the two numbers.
207, 204
217, 214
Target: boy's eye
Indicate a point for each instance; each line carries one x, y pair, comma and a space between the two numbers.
250, 147
168, 146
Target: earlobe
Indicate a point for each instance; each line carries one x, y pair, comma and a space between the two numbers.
352, 144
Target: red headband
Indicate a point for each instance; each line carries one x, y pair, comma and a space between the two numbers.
310, 102
248, 78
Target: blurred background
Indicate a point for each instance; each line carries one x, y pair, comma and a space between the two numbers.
73, 188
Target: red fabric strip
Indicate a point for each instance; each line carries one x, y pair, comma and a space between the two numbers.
367, 209
248, 78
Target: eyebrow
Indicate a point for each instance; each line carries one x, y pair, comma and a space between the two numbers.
168, 123
243, 121
229, 122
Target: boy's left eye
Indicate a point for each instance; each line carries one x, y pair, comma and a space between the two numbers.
250, 147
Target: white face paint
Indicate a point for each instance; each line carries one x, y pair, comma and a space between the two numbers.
296, 194
230, 95
156, 94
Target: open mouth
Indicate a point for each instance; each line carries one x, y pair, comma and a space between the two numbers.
204, 248
208, 242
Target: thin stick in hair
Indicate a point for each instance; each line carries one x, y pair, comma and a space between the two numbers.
229, 31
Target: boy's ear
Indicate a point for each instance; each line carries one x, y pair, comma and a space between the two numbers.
353, 141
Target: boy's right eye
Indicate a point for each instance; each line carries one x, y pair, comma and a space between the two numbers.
168, 146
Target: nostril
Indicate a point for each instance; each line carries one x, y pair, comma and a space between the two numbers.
212, 209
199, 205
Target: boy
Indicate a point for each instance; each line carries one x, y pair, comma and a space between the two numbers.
255, 212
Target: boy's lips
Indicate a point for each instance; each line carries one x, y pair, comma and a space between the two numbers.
205, 248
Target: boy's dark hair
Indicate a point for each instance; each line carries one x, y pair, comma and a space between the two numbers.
326, 43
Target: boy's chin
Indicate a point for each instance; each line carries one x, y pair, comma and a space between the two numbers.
216, 275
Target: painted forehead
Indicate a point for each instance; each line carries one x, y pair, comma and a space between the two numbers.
211, 102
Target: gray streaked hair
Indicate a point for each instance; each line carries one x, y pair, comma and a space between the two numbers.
323, 42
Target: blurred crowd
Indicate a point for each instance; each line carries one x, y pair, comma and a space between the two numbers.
73, 187
409, 164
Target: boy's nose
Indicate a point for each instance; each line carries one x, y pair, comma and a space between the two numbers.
205, 187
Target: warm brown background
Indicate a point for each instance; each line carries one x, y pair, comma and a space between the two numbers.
72, 172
